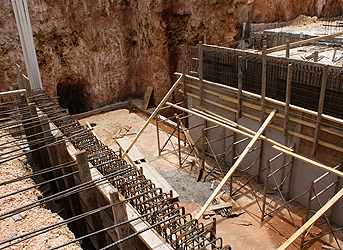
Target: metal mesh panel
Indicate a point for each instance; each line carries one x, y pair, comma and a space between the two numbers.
221, 65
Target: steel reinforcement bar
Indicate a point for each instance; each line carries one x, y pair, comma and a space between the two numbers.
179, 229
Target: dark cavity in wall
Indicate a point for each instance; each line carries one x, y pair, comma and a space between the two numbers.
74, 95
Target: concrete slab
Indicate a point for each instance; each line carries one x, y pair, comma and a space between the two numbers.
134, 153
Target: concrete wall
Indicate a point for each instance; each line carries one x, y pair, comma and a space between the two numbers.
303, 173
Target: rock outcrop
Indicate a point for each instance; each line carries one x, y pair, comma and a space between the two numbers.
93, 53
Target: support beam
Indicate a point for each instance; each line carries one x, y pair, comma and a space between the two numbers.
295, 44
288, 97
153, 115
237, 163
312, 220
320, 109
287, 48
91, 200
234, 127
120, 216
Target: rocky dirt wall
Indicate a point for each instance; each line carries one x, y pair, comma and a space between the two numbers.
98, 52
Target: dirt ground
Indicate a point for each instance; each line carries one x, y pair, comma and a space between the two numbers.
29, 220
243, 232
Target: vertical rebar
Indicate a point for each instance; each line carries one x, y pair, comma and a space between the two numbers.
201, 72
158, 135
179, 141
265, 190
307, 212
240, 86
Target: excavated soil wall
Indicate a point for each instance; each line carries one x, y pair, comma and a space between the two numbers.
93, 53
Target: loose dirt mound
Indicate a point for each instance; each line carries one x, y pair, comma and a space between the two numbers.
29, 220
303, 20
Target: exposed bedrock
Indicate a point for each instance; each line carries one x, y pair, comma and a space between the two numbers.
100, 52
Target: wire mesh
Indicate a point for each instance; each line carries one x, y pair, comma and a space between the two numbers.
333, 25
221, 66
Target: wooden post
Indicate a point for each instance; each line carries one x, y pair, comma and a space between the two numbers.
287, 48
265, 190
320, 108
237, 163
91, 196
315, 56
307, 212
240, 86
74, 199
119, 216
288, 97
201, 72
53, 156
264, 82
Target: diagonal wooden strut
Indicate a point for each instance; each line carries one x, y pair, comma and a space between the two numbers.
165, 98
312, 220
236, 164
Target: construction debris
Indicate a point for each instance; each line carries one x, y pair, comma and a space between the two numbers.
225, 206
122, 132
242, 222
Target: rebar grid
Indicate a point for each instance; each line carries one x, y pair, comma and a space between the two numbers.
140, 193
220, 65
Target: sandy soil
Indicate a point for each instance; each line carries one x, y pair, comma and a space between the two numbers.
267, 235
29, 220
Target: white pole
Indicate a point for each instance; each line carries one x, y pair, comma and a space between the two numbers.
22, 17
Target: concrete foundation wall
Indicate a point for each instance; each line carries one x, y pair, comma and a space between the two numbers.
303, 173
